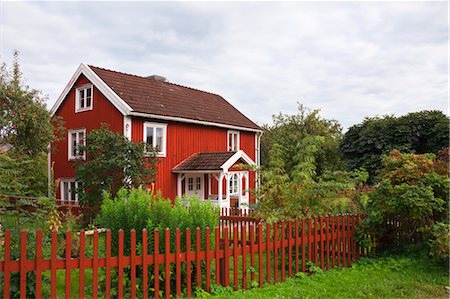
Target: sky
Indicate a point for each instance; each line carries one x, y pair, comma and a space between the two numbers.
349, 59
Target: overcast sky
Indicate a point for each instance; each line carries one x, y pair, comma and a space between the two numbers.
348, 59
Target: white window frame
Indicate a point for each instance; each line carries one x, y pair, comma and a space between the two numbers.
71, 155
233, 186
68, 181
78, 107
235, 141
163, 150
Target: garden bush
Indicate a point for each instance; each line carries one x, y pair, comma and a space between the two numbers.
411, 197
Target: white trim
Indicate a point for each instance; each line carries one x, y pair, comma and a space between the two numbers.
233, 147
120, 104
193, 121
163, 151
77, 98
197, 171
127, 126
71, 155
233, 159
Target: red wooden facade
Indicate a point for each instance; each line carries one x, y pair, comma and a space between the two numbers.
183, 138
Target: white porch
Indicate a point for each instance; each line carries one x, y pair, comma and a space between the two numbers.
214, 177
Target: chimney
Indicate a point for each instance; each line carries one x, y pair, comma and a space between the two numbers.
157, 78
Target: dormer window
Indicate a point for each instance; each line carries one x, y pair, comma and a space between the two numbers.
83, 100
155, 138
233, 141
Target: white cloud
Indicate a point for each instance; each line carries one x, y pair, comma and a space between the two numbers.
349, 59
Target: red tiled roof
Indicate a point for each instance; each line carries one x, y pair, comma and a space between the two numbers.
158, 97
204, 161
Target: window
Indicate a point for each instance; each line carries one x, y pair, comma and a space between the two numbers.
155, 137
190, 184
234, 184
198, 184
83, 99
233, 141
76, 139
69, 190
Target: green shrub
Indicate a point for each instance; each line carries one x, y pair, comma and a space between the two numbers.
411, 197
439, 242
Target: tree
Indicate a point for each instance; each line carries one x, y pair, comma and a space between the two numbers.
304, 193
26, 131
112, 162
288, 131
25, 123
421, 132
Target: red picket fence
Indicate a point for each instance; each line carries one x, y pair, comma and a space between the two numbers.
254, 255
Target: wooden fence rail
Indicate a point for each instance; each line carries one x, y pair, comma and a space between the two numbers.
248, 257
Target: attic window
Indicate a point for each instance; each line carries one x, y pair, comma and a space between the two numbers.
84, 98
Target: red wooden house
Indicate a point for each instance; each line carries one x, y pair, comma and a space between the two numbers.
199, 135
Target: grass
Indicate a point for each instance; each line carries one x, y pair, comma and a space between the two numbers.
384, 277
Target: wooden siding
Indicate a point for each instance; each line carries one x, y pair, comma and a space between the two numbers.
103, 112
183, 140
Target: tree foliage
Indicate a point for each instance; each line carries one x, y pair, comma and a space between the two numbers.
421, 132
25, 123
305, 193
113, 162
288, 131
413, 192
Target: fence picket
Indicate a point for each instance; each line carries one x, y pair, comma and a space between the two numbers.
235, 258
95, 266
167, 263
81, 267
188, 263
178, 262
145, 264
120, 265
38, 265
275, 252
208, 259
23, 260
108, 264
133, 263
303, 246
244, 257
198, 250
156, 264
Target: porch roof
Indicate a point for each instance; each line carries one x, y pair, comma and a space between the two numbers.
211, 162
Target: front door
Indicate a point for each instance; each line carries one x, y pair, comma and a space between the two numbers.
194, 185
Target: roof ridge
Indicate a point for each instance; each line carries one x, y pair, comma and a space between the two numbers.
168, 82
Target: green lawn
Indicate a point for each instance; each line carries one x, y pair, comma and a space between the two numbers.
387, 277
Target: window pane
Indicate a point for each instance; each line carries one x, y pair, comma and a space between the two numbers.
230, 142
149, 135
74, 144
190, 184
65, 195
80, 142
72, 191
88, 97
159, 139
198, 186
82, 98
